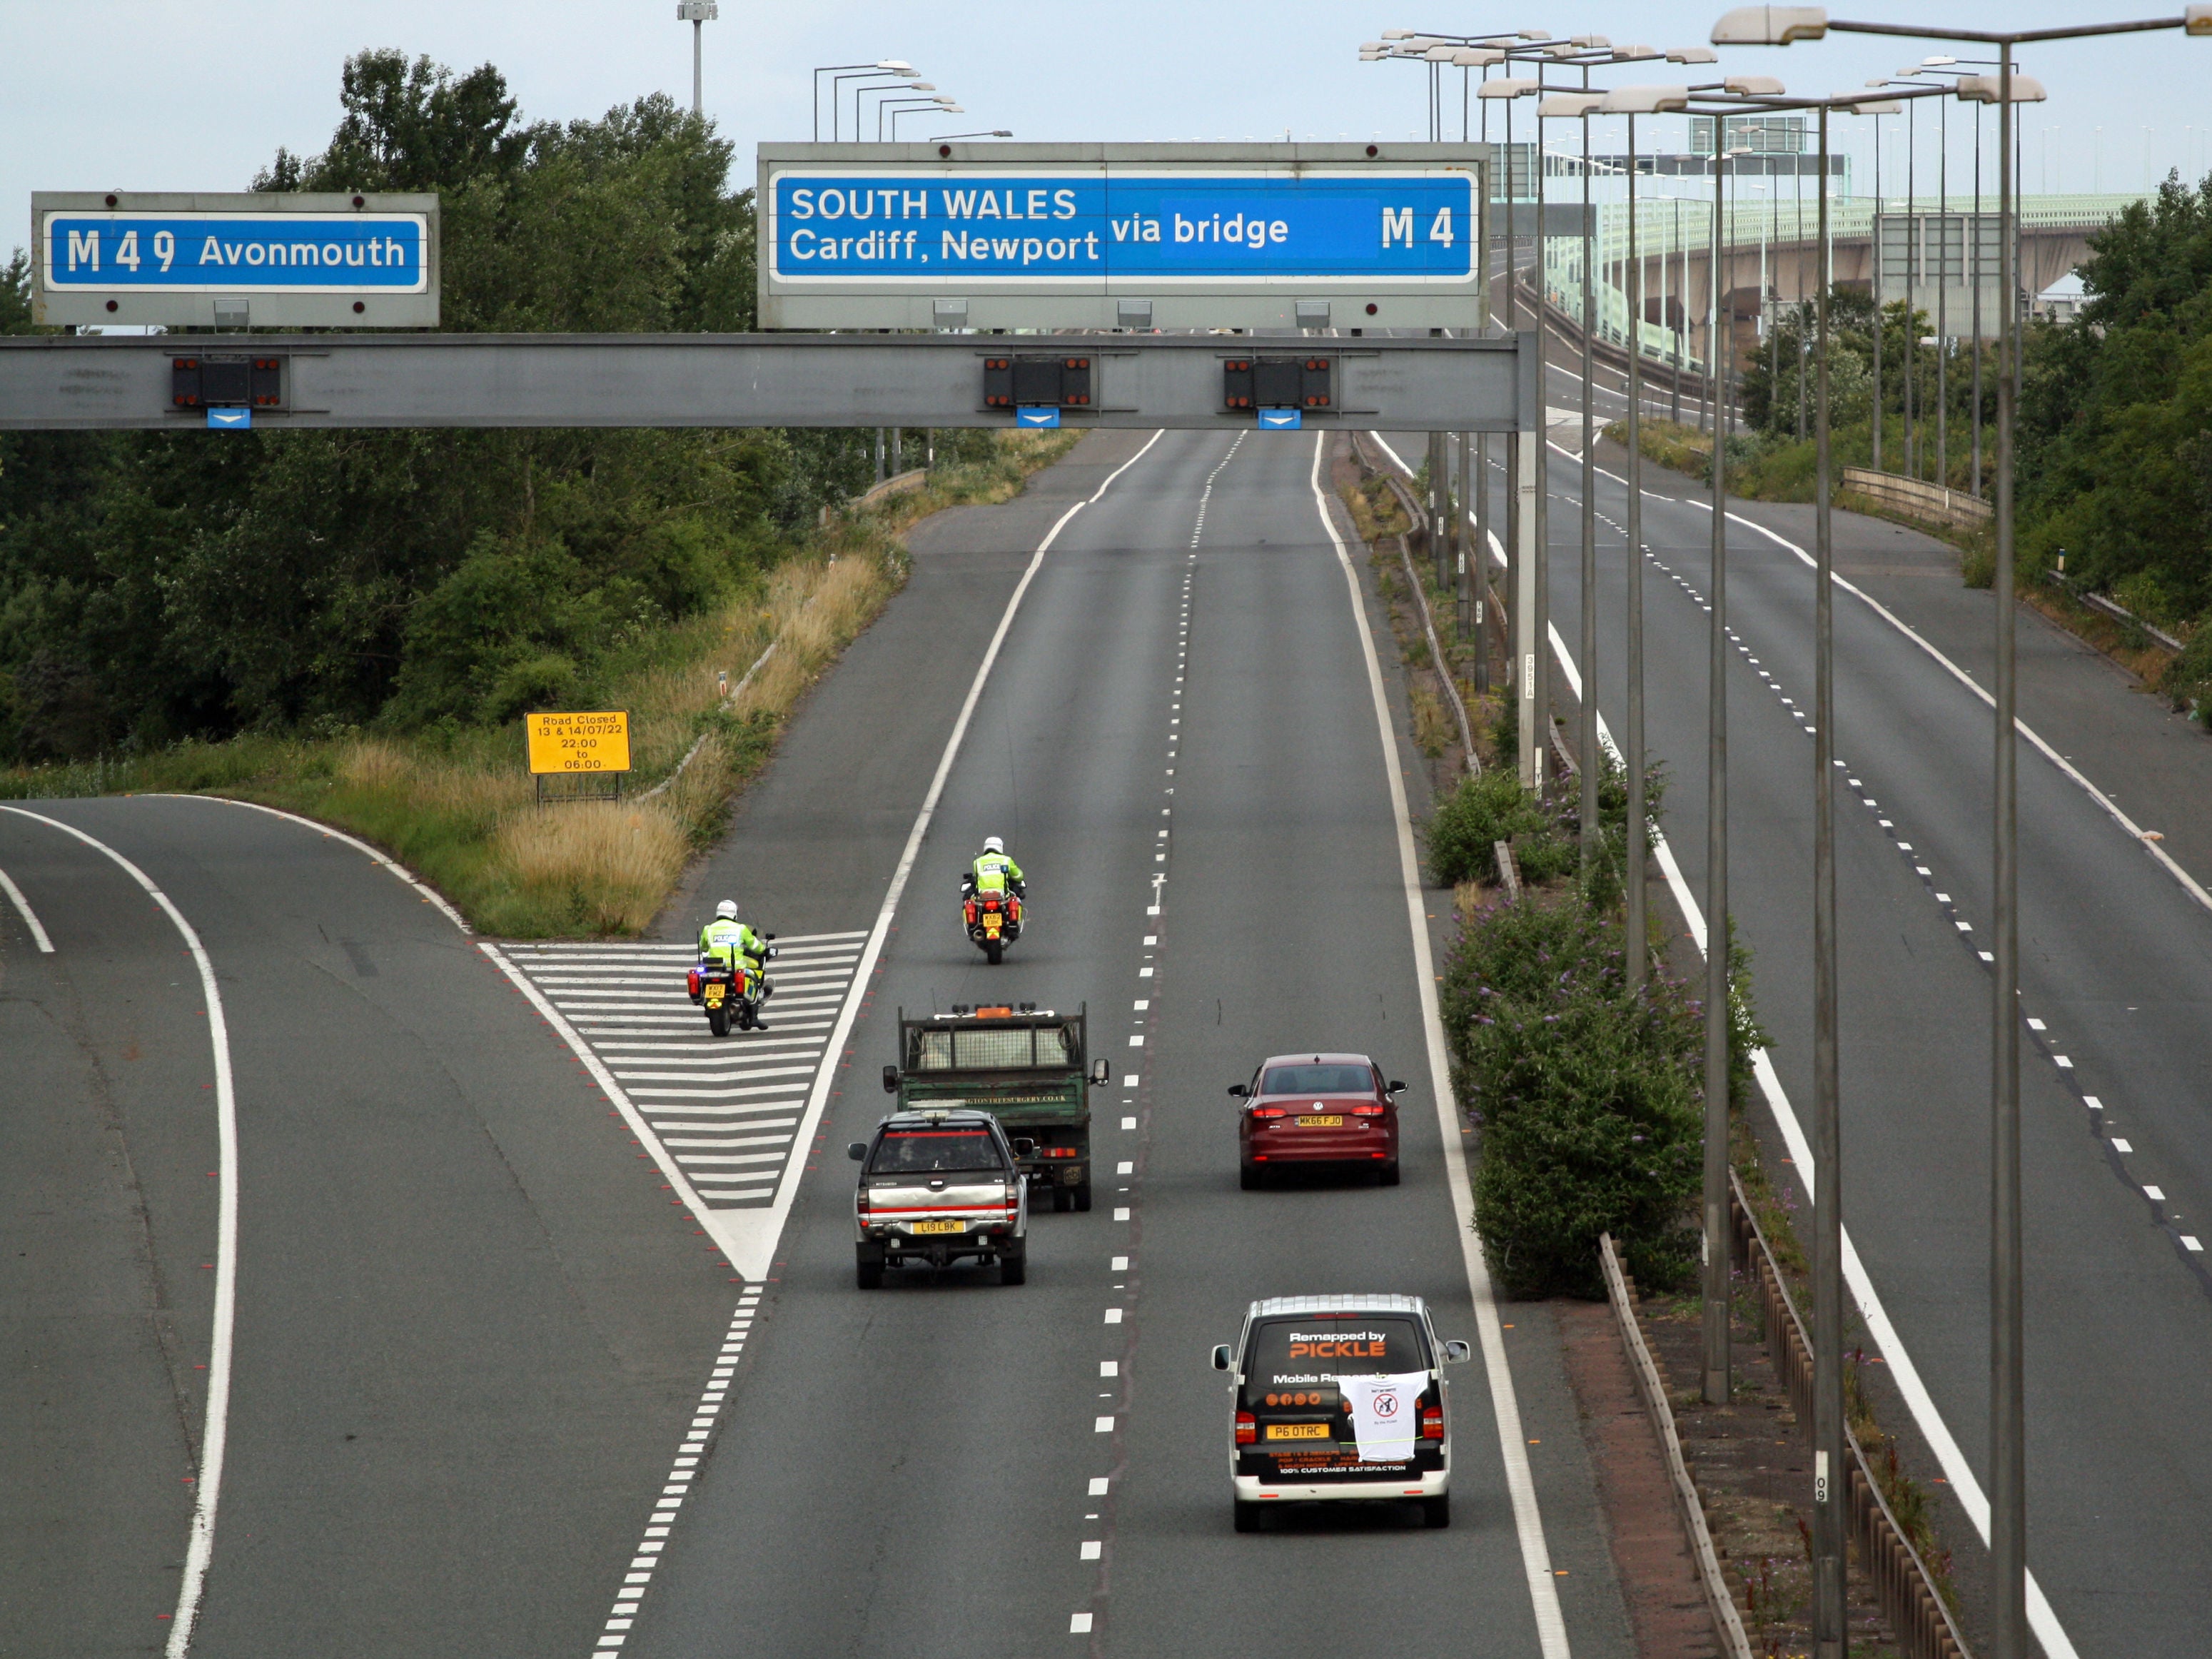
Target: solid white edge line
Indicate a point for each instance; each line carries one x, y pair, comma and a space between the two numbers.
647, 1137
215, 1432
1528, 1520
30, 916
770, 1221
2040, 1616
430, 894
2189, 883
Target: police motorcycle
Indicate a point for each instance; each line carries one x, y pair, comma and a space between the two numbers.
993, 919
730, 994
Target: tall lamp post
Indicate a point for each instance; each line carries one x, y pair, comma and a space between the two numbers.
1632, 101
2008, 1526
696, 13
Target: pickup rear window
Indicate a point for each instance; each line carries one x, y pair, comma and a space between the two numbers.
935, 1152
1308, 1349
1317, 1080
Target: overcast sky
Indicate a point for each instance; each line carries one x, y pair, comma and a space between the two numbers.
173, 94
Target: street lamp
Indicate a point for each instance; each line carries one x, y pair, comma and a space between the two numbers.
695, 13
900, 77
924, 107
1632, 101
1579, 107
1780, 26
946, 137
884, 66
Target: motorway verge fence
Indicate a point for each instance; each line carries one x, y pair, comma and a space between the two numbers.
1904, 1586
1728, 1623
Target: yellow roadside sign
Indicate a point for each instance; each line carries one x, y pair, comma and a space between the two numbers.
579, 743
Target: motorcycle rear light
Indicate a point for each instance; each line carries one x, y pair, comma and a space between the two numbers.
1432, 1423
1248, 1431
691, 981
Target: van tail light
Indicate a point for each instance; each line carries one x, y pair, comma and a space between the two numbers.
1432, 1422
1367, 1111
1268, 1111
1248, 1431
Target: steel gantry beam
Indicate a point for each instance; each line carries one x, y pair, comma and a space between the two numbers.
283, 382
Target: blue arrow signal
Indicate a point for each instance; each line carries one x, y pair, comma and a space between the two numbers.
230, 419
1044, 417
1281, 420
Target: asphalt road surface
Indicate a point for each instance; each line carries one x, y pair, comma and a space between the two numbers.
948, 1465
482, 1303
2116, 991
467, 1326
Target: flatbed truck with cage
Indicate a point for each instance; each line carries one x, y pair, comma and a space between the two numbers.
1028, 1067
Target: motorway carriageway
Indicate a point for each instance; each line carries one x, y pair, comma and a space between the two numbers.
2116, 996
391, 1228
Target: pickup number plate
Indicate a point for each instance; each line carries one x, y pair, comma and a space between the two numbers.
1297, 1431
1321, 1123
947, 1225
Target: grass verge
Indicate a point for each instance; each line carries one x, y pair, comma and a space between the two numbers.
455, 804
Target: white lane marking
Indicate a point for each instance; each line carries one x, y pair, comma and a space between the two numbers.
2121, 1146
2092, 1103
1101, 1426
2189, 1242
1079, 1624
749, 1237
30, 917
639, 1574
214, 1431
1091, 1549
430, 894
1535, 1553
2189, 883
1113, 1316
1906, 1375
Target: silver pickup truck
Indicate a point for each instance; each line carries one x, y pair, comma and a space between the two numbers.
940, 1186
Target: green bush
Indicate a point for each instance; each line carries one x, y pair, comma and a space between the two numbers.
1486, 809
2187, 678
1586, 1096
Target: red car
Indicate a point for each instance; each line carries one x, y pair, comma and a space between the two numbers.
1316, 1109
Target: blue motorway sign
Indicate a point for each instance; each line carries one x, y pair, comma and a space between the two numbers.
1122, 228
1043, 416
1281, 420
230, 419
231, 253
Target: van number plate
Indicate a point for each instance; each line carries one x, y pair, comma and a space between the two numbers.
1297, 1430
944, 1226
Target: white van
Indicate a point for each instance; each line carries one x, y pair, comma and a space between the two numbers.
1337, 1399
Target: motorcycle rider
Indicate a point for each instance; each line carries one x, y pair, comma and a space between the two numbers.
737, 947
994, 872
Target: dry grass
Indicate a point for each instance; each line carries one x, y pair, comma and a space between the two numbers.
606, 867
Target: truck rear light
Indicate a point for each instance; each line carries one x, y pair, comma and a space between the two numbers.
1432, 1423
1248, 1431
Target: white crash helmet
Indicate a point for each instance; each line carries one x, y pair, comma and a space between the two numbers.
727, 911
993, 844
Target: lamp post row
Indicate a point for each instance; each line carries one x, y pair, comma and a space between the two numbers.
1779, 26
1783, 26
